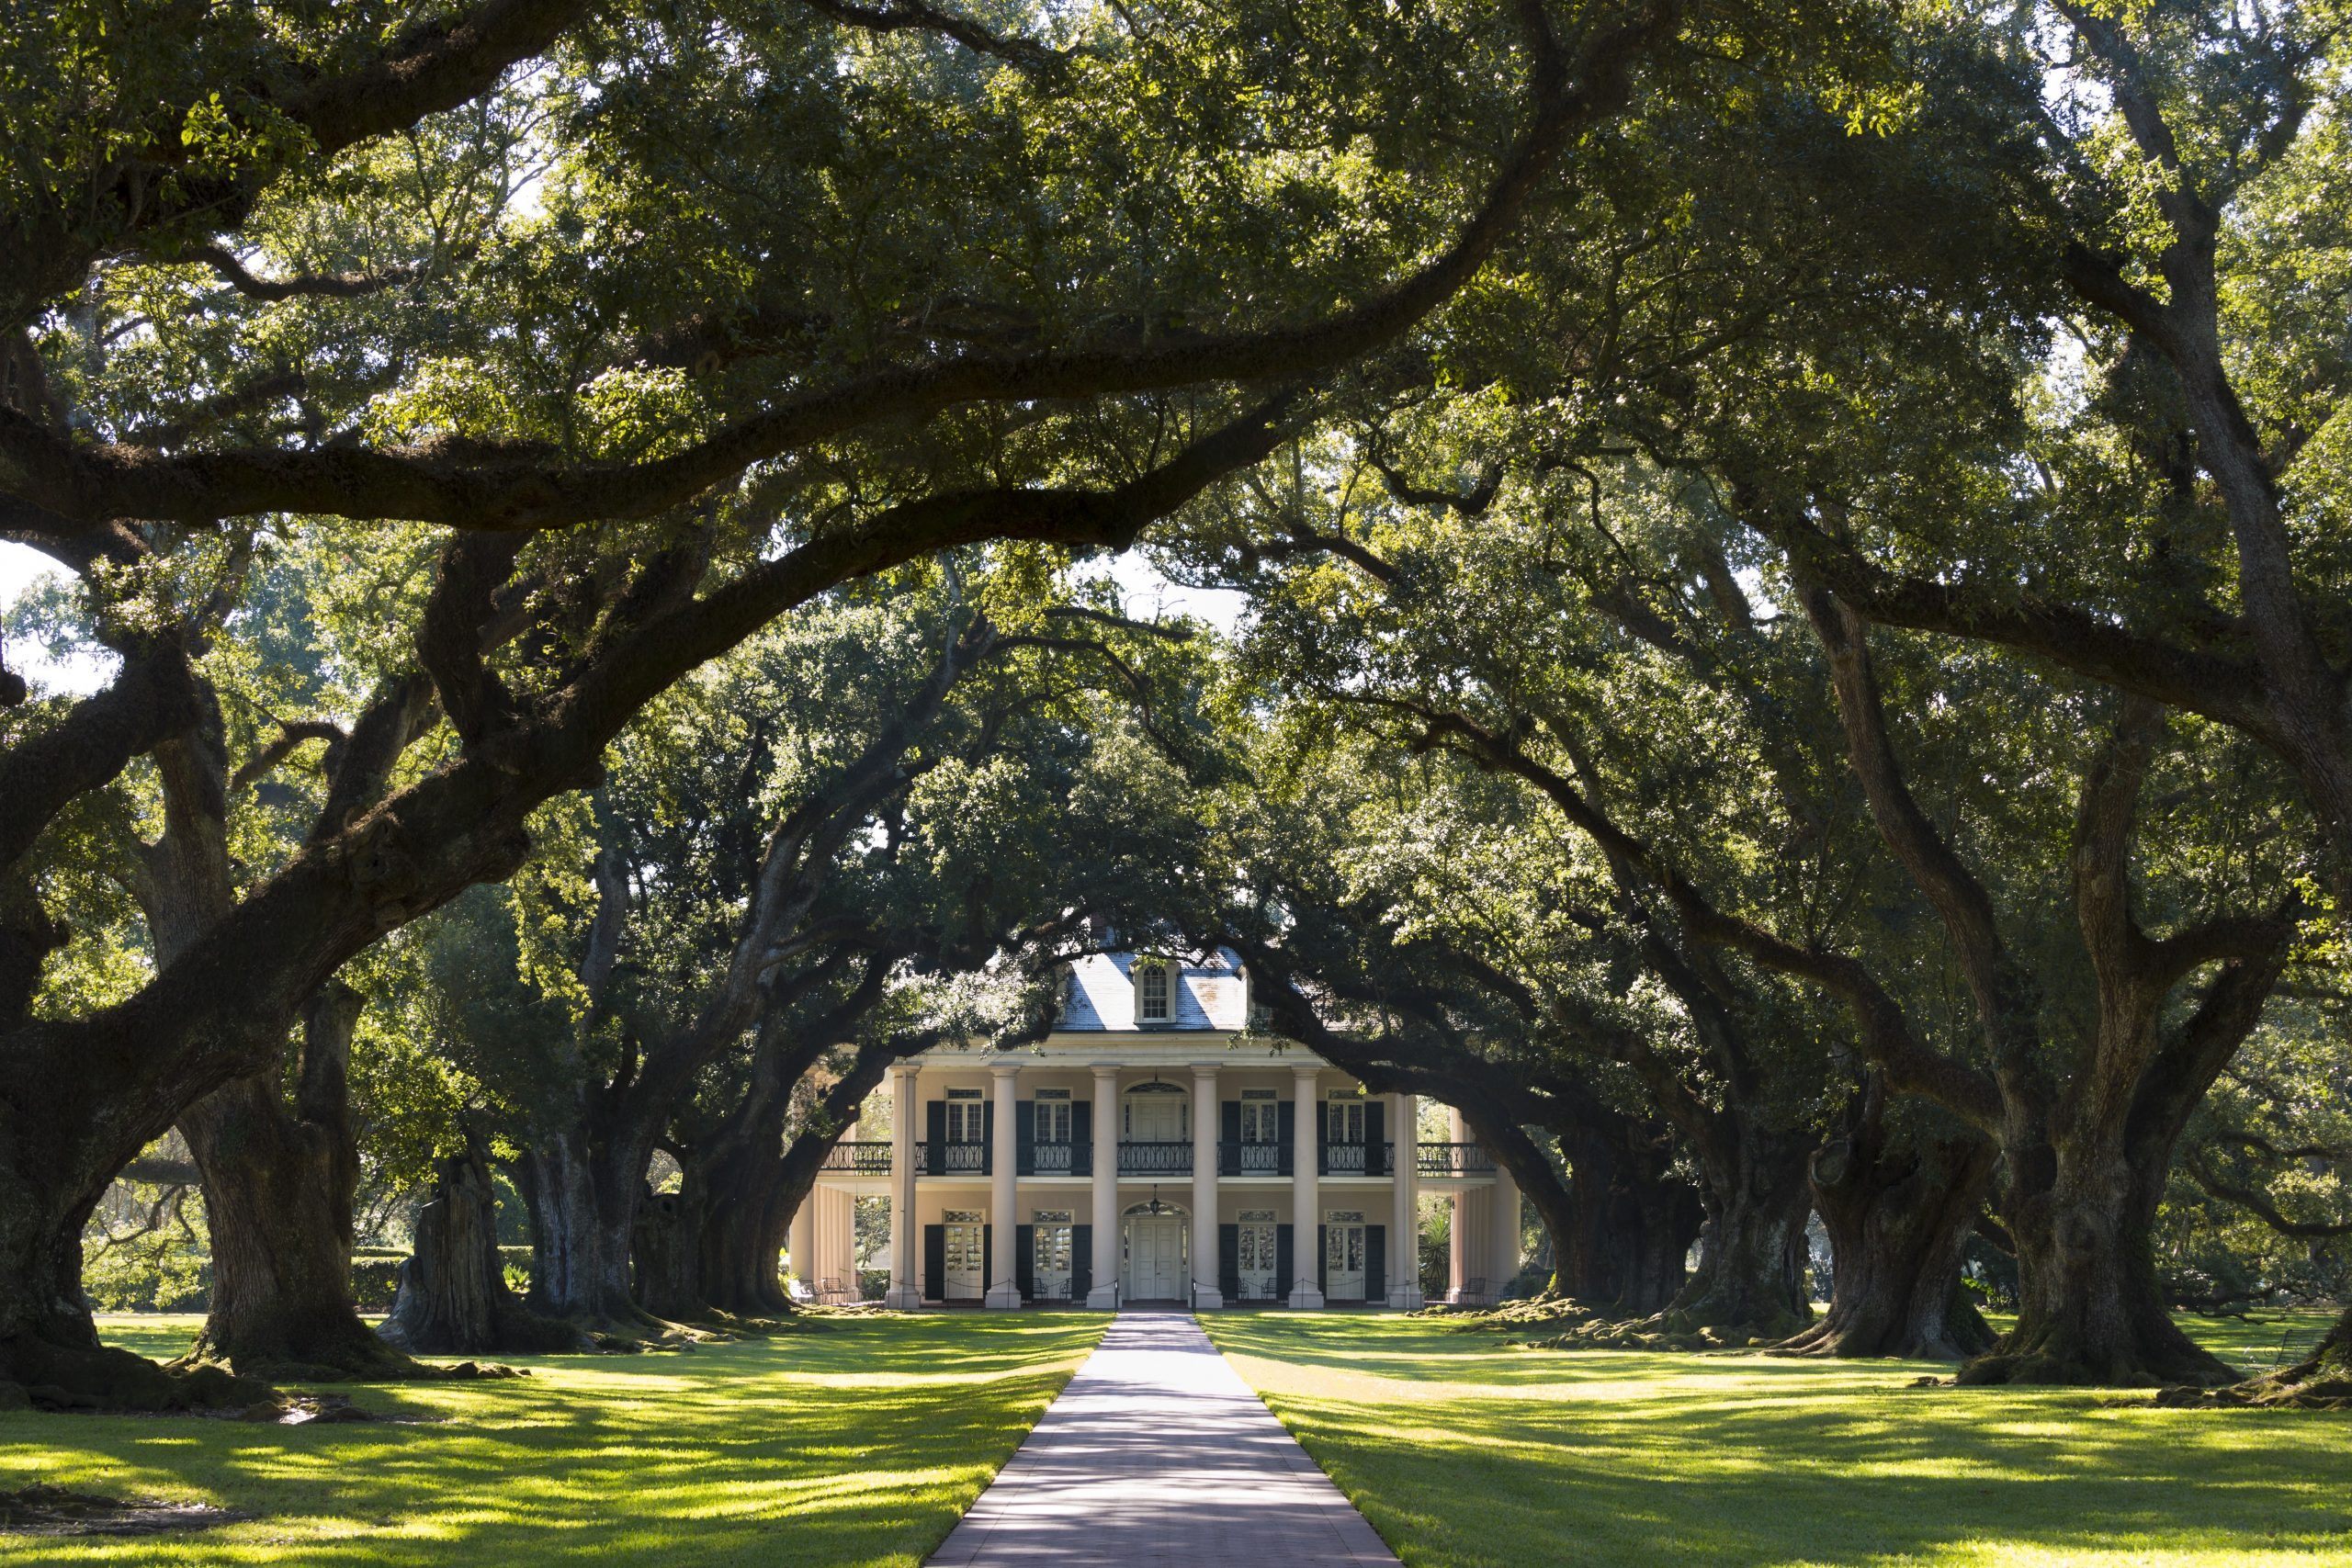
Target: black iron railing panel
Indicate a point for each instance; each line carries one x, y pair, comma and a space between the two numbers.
1253, 1159
956, 1159
1455, 1160
1356, 1159
1058, 1160
859, 1159
1155, 1159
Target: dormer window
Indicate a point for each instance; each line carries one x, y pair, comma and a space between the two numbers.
1153, 991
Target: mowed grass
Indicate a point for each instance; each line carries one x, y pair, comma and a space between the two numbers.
1465, 1452
854, 1440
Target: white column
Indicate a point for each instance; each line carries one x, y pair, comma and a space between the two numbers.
1306, 1208
1502, 1233
1404, 1229
1205, 1117
1457, 1229
1104, 1294
837, 1241
1003, 1211
906, 1269
801, 1244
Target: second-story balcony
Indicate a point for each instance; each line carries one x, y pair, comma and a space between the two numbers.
1165, 1157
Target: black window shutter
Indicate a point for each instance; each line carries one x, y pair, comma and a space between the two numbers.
1374, 1151
1081, 1261
1323, 1257
935, 1262
1081, 1129
1024, 1136
988, 1259
1284, 1277
936, 1137
1228, 1150
1375, 1263
1228, 1261
1024, 1261
987, 1138
1322, 1114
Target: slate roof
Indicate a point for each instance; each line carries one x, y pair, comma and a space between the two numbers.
1210, 994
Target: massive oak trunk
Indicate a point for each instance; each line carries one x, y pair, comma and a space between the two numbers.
665, 1255
1630, 1222
454, 1298
2090, 1308
278, 1184
583, 1209
1899, 1209
1752, 1249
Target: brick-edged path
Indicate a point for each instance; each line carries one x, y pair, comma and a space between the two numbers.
1157, 1456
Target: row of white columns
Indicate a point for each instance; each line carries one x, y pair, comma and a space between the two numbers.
1482, 1236
1404, 1267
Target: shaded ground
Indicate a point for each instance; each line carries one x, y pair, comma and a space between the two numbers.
1466, 1452
859, 1442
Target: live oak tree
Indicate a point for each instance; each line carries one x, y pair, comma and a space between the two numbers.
192, 208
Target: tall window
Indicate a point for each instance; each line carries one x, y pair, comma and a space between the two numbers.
965, 1112
1151, 991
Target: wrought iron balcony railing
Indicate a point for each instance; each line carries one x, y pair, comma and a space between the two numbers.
859, 1159
1058, 1160
1253, 1159
956, 1159
1357, 1160
1454, 1159
1156, 1159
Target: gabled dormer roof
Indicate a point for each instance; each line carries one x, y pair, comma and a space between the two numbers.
1208, 993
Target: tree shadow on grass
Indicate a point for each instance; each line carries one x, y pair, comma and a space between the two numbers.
1487, 1456
860, 1445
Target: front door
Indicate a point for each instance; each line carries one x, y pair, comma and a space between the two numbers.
1257, 1275
1155, 1262
1051, 1258
1343, 1255
964, 1264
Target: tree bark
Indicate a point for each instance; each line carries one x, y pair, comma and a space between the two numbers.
1630, 1224
665, 1255
454, 1299
2090, 1308
1899, 1211
1750, 1278
278, 1185
580, 1225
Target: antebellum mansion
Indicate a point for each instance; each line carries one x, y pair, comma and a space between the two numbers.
1153, 1149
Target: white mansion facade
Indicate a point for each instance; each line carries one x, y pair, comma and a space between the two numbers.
1153, 1149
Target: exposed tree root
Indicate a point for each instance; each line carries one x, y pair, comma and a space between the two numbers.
48, 1376
1581, 1328
2322, 1381
355, 1356
54, 1511
1961, 1333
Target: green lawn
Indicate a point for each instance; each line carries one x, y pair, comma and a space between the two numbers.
859, 1440
1466, 1452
